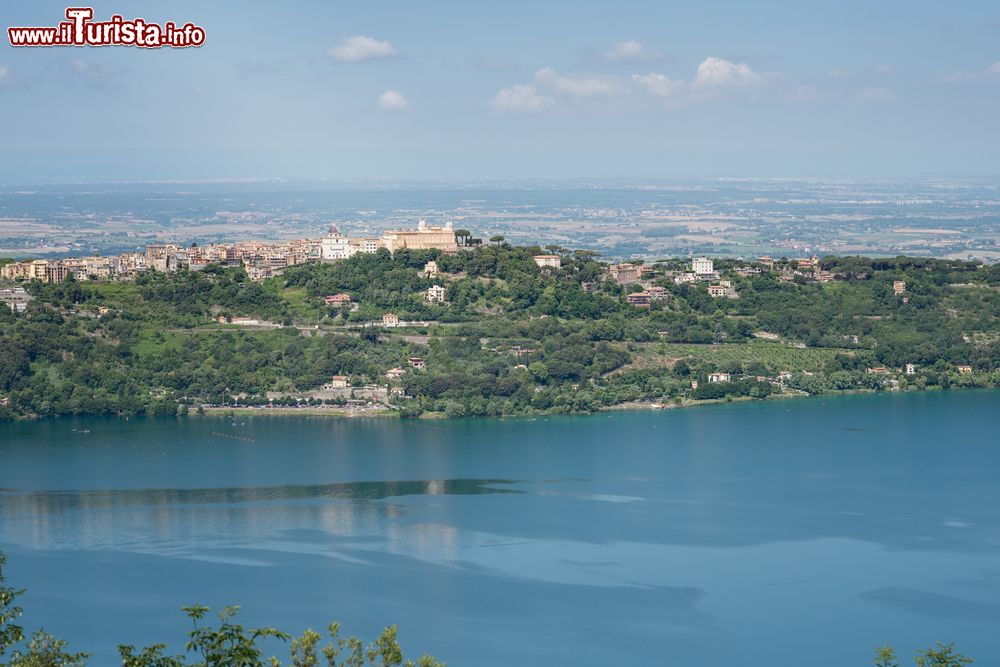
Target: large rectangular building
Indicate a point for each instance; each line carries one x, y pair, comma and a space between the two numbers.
424, 237
702, 266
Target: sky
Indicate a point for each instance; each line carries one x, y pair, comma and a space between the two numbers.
465, 90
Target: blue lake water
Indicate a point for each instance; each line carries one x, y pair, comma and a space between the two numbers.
774, 533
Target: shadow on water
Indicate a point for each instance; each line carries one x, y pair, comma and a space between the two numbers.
56, 500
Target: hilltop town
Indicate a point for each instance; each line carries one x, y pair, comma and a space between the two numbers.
432, 321
260, 259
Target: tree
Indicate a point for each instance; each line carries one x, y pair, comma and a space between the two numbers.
44, 650
943, 655
230, 644
885, 656
462, 236
151, 656
10, 632
497, 240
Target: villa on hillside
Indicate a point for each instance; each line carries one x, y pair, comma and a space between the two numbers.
338, 382
638, 299
435, 294
702, 266
341, 299
625, 274
548, 261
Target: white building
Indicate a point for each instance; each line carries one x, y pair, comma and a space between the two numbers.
368, 246
435, 294
424, 237
548, 261
335, 246
16, 298
685, 278
702, 266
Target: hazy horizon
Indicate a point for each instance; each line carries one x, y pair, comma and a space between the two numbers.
516, 182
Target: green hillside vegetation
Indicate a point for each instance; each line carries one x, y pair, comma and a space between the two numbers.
511, 338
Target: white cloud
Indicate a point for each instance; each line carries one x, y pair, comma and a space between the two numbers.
360, 48
576, 86
4, 73
659, 85
630, 51
521, 98
885, 69
392, 99
549, 86
839, 74
874, 94
714, 73
994, 69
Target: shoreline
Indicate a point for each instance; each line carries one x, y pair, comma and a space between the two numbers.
385, 412
629, 406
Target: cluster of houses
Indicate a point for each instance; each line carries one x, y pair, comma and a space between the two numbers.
260, 259
911, 369
907, 369
721, 376
340, 386
702, 270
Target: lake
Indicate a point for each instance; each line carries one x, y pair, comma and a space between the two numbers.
774, 533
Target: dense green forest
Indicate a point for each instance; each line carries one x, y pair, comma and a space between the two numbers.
511, 338
230, 644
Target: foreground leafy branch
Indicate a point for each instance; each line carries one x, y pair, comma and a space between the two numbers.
227, 644
940, 655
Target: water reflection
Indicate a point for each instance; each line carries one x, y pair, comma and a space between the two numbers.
171, 521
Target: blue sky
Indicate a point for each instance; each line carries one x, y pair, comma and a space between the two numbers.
377, 89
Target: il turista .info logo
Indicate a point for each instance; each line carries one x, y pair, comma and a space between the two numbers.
80, 29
